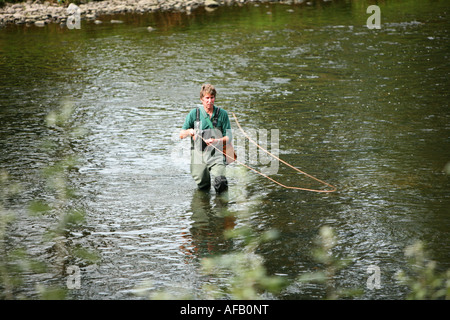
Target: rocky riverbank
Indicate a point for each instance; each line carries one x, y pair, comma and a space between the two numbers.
41, 13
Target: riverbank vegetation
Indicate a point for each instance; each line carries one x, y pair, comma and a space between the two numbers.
20, 262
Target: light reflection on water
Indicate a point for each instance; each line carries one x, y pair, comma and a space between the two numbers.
364, 111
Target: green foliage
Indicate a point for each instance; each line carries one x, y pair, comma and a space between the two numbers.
244, 274
8, 280
422, 280
238, 275
51, 293
16, 262
322, 254
241, 275
447, 168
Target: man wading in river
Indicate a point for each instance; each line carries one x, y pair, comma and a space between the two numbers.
213, 125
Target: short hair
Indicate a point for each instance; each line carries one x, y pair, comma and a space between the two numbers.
207, 89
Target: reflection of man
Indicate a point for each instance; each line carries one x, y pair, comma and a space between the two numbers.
206, 235
211, 123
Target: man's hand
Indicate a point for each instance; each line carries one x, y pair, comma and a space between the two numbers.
211, 141
186, 133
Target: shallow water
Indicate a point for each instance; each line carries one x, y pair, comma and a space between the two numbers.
365, 110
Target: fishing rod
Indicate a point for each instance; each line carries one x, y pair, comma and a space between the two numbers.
333, 188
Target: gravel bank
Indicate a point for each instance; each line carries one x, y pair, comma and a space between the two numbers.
41, 13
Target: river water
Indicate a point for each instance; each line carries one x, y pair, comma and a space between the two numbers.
365, 110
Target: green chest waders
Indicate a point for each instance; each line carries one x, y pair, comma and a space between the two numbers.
206, 160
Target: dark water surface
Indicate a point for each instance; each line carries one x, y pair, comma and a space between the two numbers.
365, 110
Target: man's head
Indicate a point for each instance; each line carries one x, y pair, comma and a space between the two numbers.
208, 96
207, 89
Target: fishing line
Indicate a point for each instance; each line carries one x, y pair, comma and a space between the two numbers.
333, 188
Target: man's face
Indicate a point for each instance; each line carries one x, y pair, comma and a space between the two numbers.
208, 101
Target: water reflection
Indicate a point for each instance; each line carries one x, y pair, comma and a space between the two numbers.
210, 219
